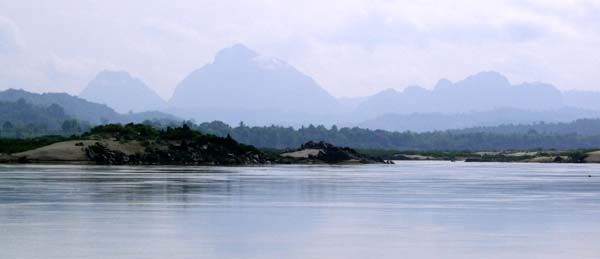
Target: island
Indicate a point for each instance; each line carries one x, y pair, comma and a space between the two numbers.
503, 156
140, 144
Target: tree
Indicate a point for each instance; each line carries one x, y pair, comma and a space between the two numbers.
71, 126
7, 126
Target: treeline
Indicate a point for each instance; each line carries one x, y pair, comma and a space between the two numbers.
22, 119
587, 127
288, 137
8, 145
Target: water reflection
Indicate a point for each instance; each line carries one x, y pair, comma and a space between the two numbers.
424, 210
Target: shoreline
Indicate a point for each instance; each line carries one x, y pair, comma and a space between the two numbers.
387, 162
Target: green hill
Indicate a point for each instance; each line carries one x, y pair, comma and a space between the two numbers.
22, 119
82, 109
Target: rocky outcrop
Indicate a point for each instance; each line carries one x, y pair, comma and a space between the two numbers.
185, 152
182, 152
325, 153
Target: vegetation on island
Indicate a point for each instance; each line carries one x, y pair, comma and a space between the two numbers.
10, 146
143, 144
327, 153
179, 145
544, 156
140, 144
34, 123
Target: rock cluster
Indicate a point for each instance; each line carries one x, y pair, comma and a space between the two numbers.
330, 154
182, 153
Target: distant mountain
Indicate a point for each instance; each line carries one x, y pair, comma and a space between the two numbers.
582, 99
122, 92
351, 103
423, 122
481, 92
79, 108
242, 85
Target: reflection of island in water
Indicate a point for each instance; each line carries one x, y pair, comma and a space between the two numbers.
422, 209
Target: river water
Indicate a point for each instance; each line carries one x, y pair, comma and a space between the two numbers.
407, 210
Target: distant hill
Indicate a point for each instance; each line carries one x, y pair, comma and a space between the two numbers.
122, 92
21, 119
242, 85
74, 106
423, 122
582, 99
584, 127
481, 92
287, 137
79, 108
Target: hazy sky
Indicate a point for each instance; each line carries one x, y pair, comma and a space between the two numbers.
351, 47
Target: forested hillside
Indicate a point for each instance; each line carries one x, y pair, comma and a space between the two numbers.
81, 109
287, 137
586, 127
22, 119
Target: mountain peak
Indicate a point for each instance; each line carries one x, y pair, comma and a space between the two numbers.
116, 89
235, 53
487, 78
387, 92
443, 83
414, 89
242, 80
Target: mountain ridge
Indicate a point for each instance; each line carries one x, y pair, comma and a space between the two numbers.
240, 84
79, 108
480, 92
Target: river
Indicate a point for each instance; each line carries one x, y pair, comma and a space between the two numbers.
407, 210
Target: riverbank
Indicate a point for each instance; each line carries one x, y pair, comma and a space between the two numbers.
524, 156
138, 144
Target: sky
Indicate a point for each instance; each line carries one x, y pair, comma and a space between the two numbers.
350, 47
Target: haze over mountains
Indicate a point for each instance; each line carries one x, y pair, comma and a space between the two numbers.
242, 85
582, 99
240, 78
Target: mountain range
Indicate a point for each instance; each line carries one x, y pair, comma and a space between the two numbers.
81, 109
242, 85
480, 92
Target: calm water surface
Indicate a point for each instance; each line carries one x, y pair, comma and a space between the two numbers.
407, 210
